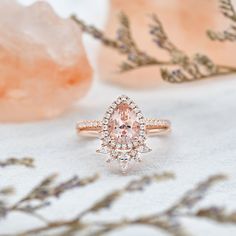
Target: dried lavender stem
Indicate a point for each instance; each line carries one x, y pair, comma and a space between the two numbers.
42, 193
26, 161
229, 34
99, 35
188, 69
167, 220
136, 185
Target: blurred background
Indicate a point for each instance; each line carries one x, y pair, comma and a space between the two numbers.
53, 75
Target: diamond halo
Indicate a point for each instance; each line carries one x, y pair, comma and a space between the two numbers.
123, 133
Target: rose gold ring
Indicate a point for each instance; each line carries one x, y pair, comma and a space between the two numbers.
123, 131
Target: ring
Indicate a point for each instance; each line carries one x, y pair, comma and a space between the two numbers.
123, 131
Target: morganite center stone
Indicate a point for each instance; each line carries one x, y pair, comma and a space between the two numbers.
123, 124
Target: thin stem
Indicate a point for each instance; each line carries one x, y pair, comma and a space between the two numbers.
49, 226
31, 213
188, 69
229, 68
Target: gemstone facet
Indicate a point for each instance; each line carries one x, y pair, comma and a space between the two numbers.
123, 124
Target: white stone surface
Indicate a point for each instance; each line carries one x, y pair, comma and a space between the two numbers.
203, 142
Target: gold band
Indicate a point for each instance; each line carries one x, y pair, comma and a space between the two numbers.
94, 127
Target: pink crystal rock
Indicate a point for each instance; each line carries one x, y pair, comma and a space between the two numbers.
123, 124
43, 66
186, 23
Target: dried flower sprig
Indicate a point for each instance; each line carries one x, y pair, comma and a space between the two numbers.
39, 197
167, 220
193, 196
133, 186
217, 214
186, 68
26, 161
6, 191
124, 44
3, 208
76, 223
228, 10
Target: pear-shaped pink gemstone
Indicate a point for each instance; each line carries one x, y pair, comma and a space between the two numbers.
124, 125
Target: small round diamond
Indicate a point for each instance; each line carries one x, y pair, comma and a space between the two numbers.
105, 127
107, 115
142, 126
110, 110
140, 115
132, 105
142, 120
142, 132
103, 136
123, 98
118, 101
113, 105
128, 100
105, 121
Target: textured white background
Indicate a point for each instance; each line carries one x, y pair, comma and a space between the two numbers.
203, 142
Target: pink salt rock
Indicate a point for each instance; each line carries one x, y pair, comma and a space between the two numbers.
123, 124
43, 66
186, 23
